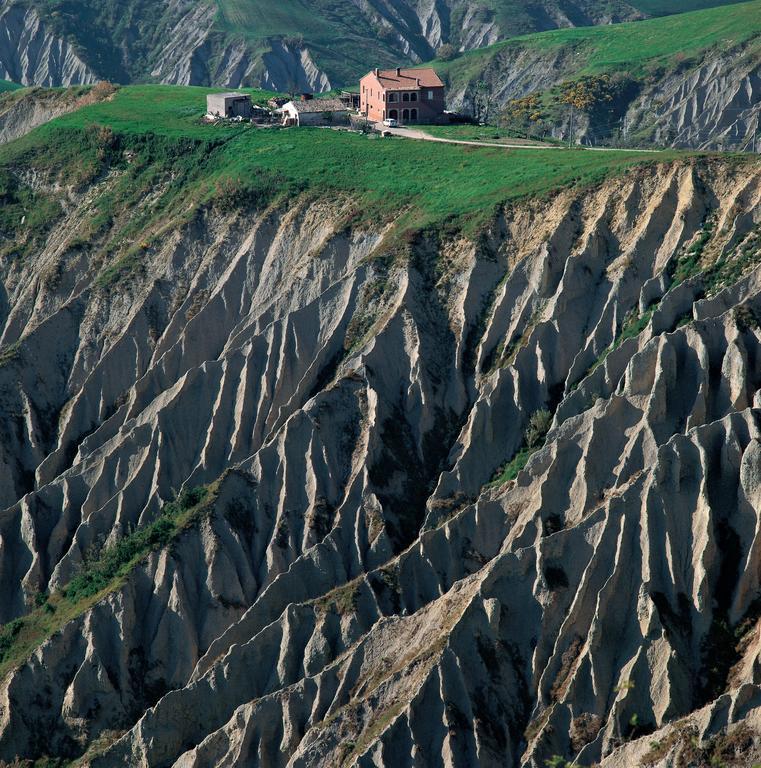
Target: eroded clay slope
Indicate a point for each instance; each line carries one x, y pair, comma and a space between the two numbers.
373, 583
712, 103
32, 54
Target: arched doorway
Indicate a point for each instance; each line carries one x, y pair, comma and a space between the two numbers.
405, 115
413, 115
393, 114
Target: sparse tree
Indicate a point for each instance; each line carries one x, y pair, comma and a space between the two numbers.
538, 426
363, 126
446, 52
481, 98
292, 87
525, 115
594, 93
294, 42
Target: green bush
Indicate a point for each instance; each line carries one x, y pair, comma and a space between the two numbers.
446, 52
117, 559
100, 574
8, 635
538, 427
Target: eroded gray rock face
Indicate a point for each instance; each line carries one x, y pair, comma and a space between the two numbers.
711, 104
289, 67
23, 111
712, 107
424, 25
186, 42
191, 55
31, 54
185, 49
360, 593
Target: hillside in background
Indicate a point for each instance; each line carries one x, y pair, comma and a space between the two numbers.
285, 45
326, 450
692, 79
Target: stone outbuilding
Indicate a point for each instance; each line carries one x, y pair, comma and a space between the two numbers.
315, 112
229, 105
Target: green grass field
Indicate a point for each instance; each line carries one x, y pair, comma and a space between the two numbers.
485, 133
382, 177
7, 85
668, 7
634, 46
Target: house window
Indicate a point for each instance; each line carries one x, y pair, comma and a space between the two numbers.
430, 95
413, 97
392, 96
405, 97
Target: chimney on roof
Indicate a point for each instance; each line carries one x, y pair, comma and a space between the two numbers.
398, 71
375, 71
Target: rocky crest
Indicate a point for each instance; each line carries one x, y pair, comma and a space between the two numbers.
180, 46
374, 582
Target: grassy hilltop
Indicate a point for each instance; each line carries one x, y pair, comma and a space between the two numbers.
636, 48
7, 85
161, 126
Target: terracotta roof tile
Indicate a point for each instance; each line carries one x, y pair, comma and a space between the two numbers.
407, 78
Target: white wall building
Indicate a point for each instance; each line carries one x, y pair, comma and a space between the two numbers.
315, 112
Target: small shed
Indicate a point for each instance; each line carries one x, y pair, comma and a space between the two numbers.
350, 99
315, 112
229, 105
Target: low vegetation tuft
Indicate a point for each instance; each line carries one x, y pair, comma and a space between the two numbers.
534, 437
101, 573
